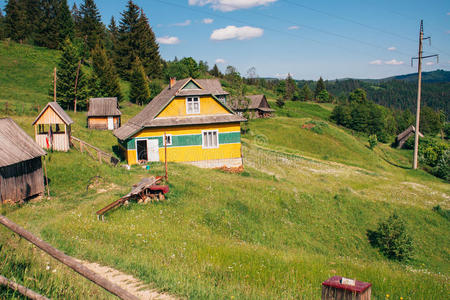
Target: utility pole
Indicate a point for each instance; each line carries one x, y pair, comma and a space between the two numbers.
54, 84
419, 91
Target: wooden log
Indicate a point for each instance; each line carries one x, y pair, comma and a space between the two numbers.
21, 289
68, 261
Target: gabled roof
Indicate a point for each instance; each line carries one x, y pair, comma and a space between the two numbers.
58, 110
102, 107
15, 144
212, 85
252, 102
407, 132
146, 118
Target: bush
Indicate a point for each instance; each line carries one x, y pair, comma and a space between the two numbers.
373, 141
442, 169
392, 238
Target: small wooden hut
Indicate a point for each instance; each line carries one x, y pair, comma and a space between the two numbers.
21, 173
257, 106
52, 128
404, 136
103, 114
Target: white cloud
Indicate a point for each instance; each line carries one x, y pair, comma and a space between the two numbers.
392, 48
220, 61
376, 62
293, 27
168, 40
207, 21
233, 32
394, 62
185, 23
230, 5
430, 63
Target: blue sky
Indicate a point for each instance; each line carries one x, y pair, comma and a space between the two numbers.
333, 39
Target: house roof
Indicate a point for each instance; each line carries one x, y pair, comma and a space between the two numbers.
146, 118
251, 102
212, 85
58, 110
406, 133
101, 107
15, 144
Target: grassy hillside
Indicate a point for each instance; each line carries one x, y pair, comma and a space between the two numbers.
297, 215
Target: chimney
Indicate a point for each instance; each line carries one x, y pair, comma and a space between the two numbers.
172, 82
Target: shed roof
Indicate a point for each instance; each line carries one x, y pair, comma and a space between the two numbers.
58, 110
102, 107
146, 118
406, 133
15, 144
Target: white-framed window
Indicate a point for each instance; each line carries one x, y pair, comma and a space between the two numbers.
192, 105
168, 139
210, 139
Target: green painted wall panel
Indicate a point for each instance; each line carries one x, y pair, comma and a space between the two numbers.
189, 140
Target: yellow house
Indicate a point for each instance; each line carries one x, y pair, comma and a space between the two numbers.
199, 128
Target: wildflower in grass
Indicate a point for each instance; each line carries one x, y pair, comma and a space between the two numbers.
387, 296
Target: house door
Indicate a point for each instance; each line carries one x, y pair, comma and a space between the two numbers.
110, 123
153, 150
141, 150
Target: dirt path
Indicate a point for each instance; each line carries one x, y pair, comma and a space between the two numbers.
127, 282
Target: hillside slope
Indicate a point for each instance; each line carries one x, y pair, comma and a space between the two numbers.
297, 215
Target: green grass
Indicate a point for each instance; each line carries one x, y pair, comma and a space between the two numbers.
298, 214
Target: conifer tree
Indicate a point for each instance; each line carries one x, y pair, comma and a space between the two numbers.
149, 50
136, 39
15, 21
290, 89
66, 75
55, 25
105, 81
113, 33
320, 86
306, 93
215, 71
31, 9
2, 25
90, 27
76, 17
139, 90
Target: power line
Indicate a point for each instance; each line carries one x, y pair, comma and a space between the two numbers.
283, 32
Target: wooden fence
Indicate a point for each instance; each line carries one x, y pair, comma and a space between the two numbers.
93, 151
66, 260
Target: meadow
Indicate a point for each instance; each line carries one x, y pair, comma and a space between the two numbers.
297, 215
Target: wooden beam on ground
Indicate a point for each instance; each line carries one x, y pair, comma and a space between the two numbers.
68, 261
21, 289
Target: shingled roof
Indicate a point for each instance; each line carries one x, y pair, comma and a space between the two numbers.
103, 107
58, 110
212, 85
15, 144
146, 118
253, 102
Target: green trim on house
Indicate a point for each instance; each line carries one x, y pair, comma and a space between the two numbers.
188, 140
191, 86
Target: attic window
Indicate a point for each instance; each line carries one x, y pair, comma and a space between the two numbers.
192, 105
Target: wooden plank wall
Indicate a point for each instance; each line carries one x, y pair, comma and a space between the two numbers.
22, 180
101, 123
49, 117
60, 141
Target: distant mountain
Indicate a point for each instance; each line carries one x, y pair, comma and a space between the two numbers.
432, 76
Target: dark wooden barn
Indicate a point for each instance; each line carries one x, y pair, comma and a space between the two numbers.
103, 114
21, 173
256, 106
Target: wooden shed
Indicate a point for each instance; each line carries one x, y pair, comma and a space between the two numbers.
103, 114
405, 135
52, 128
257, 106
21, 173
